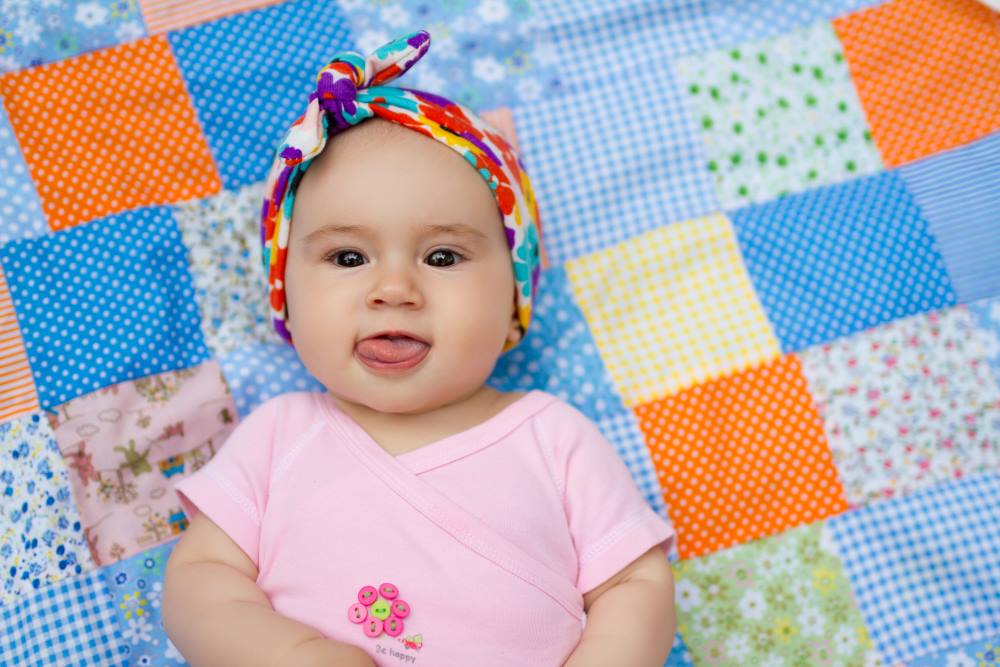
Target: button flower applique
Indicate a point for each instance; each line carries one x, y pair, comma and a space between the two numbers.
379, 610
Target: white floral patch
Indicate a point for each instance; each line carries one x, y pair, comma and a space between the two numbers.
493, 11
488, 69
90, 14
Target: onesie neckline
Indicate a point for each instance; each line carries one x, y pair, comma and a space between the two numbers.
444, 450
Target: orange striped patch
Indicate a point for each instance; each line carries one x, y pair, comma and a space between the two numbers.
927, 73
17, 384
742, 457
108, 131
164, 15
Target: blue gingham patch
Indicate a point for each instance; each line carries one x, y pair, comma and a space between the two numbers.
68, 621
924, 567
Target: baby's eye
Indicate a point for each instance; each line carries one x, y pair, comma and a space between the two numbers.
443, 252
334, 255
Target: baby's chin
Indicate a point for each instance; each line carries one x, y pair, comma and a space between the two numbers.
403, 397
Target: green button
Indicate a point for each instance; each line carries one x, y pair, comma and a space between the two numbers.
380, 609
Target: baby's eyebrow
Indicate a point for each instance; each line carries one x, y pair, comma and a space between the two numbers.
429, 230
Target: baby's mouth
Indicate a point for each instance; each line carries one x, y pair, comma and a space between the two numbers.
391, 349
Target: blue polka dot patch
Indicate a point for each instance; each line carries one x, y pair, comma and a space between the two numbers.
559, 354
104, 302
258, 372
833, 261
244, 100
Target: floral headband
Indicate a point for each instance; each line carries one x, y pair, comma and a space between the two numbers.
349, 91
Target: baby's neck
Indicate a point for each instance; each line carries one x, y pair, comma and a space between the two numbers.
402, 433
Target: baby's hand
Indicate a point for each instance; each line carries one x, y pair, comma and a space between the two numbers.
323, 652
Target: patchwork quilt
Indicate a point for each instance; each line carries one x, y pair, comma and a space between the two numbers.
771, 234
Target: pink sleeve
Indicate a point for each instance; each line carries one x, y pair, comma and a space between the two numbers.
231, 489
610, 522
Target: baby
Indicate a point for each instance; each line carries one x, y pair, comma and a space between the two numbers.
411, 514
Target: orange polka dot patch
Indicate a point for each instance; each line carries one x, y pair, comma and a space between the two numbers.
109, 131
927, 73
742, 457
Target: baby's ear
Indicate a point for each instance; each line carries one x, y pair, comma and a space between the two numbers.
514, 333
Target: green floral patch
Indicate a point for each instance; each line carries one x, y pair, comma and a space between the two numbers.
778, 115
783, 601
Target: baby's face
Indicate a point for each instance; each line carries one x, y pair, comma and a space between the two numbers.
454, 290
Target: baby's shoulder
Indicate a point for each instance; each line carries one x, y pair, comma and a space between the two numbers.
283, 413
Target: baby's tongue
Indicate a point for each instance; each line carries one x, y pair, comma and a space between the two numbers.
390, 350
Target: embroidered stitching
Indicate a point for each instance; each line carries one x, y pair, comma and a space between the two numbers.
300, 442
613, 536
241, 501
550, 465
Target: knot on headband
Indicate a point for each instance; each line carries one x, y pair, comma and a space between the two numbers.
349, 91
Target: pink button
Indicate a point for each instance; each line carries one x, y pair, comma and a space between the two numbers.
367, 595
373, 627
388, 591
400, 609
357, 612
393, 627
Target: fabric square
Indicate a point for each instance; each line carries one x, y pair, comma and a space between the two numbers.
164, 15
624, 432
41, 537
599, 183
129, 444
778, 116
833, 261
973, 654
987, 317
927, 73
482, 55
907, 405
138, 144
17, 386
958, 196
595, 38
780, 601
261, 371
136, 586
22, 211
248, 87
741, 457
680, 655
672, 308
72, 620
222, 236
104, 302
737, 22
43, 32
924, 567
558, 354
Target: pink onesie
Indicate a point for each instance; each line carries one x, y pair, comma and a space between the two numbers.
474, 549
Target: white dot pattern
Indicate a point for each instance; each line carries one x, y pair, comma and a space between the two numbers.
243, 100
104, 302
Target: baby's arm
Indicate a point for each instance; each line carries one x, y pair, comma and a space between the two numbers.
630, 617
216, 615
